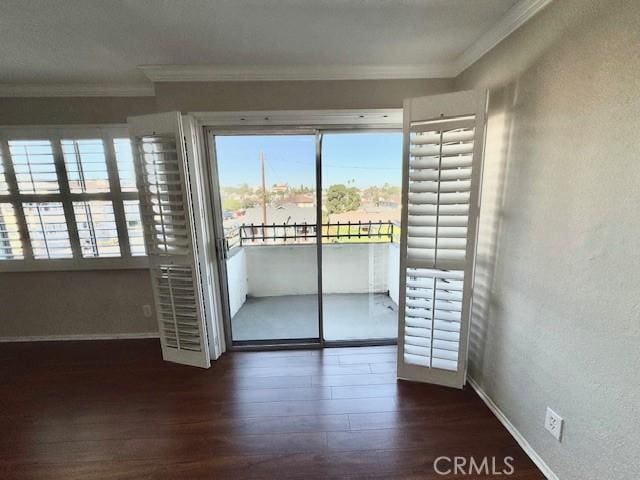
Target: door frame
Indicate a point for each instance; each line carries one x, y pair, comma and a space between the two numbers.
300, 122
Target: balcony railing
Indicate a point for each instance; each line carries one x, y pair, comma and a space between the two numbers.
274, 234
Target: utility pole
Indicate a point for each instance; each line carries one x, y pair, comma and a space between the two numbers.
264, 190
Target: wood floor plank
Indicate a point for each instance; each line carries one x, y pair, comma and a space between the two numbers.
115, 410
346, 380
364, 391
68, 432
354, 351
384, 367
299, 370
367, 358
248, 360
332, 465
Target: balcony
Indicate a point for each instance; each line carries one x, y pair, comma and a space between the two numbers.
272, 279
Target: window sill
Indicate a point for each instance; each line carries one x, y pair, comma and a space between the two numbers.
70, 264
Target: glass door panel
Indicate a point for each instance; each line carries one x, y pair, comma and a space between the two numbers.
361, 196
267, 187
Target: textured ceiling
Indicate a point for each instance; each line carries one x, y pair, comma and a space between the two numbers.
103, 41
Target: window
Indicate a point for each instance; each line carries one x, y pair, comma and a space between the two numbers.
124, 158
134, 227
68, 198
86, 165
47, 230
97, 229
34, 166
10, 244
4, 186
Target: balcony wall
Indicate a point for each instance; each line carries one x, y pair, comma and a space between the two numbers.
274, 270
237, 279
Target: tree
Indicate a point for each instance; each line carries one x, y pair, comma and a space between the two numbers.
248, 203
231, 205
372, 194
342, 199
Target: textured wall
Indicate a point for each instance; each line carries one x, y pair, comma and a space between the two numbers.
105, 302
337, 94
557, 318
72, 110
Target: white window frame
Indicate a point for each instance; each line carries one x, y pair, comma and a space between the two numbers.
107, 133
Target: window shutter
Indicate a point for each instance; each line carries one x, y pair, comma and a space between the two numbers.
10, 241
441, 171
86, 165
47, 230
134, 227
34, 166
167, 216
97, 230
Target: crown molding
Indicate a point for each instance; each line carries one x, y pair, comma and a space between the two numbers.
76, 90
255, 73
515, 17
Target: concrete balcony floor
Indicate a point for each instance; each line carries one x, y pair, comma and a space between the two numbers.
357, 316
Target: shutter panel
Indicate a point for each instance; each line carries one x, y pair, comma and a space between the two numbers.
443, 141
167, 216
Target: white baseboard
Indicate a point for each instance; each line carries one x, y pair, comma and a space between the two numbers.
528, 449
97, 336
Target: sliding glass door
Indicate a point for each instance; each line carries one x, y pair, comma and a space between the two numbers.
290, 203
268, 209
361, 175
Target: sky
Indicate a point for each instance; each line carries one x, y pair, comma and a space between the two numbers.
360, 159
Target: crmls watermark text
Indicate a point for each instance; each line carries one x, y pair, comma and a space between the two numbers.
473, 466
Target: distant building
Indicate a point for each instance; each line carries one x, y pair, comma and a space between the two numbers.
280, 188
284, 213
301, 200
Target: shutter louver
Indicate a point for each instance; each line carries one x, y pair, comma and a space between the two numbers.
432, 318
124, 160
34, 166
47, 227
10, 241
439, 189
164, 207
134, 227
4, 186
97, 230
177, 307
169, 236
86, 165
439, 241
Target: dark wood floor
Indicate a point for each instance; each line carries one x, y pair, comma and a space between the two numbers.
116, 410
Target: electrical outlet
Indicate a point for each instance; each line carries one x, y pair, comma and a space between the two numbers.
553, 423
146, 310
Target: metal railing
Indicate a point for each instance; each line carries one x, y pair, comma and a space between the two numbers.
338, 232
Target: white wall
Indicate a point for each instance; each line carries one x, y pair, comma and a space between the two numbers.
237, 279
355, 268
291, 269
556, 310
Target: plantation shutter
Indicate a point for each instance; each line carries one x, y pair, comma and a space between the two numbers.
443, 142
159, 146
